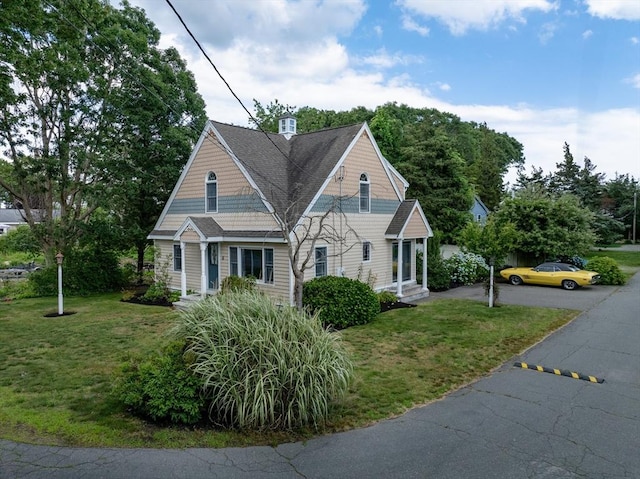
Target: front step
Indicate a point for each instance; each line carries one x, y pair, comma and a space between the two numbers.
186, 302
412, 293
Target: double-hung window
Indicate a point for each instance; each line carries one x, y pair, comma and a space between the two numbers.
365, 193
366, 251
177, 257
321, 261
252, 262
212, 193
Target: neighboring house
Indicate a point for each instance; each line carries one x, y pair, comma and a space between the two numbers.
479, 211
10, 218
241, 188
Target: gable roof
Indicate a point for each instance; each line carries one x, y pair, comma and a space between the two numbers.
288, 173
405, 212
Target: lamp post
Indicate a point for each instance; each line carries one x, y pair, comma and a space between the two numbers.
59, 258
491, 263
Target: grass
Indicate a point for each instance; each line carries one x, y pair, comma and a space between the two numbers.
56, 373
629, 261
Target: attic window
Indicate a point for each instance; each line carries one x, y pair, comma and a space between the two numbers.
364, 193
212, 193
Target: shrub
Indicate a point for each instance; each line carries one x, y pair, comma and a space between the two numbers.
467, 268
264, 366
340, 302
237, 283
387, 297
608, 269
162, 388
438, 276
85, 271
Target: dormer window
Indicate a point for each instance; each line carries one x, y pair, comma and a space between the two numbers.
287, 126
365, 194
211, 193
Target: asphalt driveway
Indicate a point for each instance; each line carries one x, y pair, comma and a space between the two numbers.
581, 299
514, 423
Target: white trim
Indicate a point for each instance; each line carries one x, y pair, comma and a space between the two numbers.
207, 128
416, 207
241, 167
208, 182
340, 162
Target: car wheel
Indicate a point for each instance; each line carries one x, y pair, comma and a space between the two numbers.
569, 284
515, 280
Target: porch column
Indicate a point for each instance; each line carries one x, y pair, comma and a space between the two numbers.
183, 270
203, 268
425, 287
399, 271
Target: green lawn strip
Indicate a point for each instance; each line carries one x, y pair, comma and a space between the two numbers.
629, 261
56, 373
411, 356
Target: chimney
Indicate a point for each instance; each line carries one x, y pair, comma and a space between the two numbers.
287, 125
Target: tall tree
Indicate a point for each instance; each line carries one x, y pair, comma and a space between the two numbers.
435, 172
563, 179
63, 65
160, 116
618, 201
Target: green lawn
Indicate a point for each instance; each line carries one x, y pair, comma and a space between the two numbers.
56, 373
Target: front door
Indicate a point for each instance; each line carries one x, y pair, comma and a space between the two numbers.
213, 266
405, 268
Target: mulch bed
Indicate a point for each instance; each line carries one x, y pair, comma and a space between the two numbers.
395, 305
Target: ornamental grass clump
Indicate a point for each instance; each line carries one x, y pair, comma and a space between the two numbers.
263, 365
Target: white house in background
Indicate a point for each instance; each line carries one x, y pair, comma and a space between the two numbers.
240, 185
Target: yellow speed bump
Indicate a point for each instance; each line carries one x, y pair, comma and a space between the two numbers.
559, 372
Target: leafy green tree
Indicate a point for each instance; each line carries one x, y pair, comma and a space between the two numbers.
493, 240
546, 226
435, 172
64, 68
618, 201
161, 116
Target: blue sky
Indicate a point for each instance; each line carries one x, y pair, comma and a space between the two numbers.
543, 71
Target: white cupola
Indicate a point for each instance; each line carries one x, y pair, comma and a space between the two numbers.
287, 125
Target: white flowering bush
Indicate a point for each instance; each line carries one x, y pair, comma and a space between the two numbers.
467, 268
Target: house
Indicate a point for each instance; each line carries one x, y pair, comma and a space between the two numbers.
10, 218
479, 211
246, 199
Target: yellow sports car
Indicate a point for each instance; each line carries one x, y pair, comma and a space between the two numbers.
551, 274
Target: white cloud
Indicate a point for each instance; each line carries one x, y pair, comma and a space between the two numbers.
609, 138
547, 31
615, 9
587, 34
411, 25
274, 22
634, 80
460, 16
444, 86
382, 59
635, 40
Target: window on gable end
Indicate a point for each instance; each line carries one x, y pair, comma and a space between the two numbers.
212, 193
365, 194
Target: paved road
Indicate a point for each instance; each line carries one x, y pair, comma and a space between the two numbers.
516, 423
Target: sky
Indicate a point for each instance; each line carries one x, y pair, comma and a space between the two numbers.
544, 71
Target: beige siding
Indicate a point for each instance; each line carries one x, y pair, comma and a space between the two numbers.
190, 235
363, 159
416, 227
165, 256
213, 157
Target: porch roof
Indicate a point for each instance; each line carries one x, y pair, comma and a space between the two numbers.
409, 213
